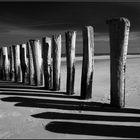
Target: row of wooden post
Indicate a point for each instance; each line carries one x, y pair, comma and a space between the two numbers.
38, 63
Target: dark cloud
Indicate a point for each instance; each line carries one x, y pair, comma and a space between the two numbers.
21, 21
63, 15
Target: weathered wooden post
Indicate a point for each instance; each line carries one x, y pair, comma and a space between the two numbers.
12, 65
119, 34
14, 53
88, 62
1, 65
70, 56
24, 57
6, 64
18, 71
47, 62
38, 61
56, 53
31, 66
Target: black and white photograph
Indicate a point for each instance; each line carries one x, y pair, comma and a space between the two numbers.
69, 69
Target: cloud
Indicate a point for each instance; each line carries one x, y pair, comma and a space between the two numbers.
20, 22
67, 15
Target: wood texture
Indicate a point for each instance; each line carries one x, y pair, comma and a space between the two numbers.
38, 61
70, 57
18, 70
24, 57
6, 64
56, 53
32, 78
88, 62
1, 64
12, 64
119, 33
47, 62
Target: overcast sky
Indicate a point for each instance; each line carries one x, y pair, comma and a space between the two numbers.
21, 21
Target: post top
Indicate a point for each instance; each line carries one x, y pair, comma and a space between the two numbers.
56, 37
24, 44
89, 27
46, 39
70, 32
17, 45
118, 19
31, 40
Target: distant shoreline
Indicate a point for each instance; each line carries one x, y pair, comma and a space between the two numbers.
100, 54
103, 57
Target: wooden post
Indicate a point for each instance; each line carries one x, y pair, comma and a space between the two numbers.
56, 53
88, 62
14, 55
70, 56
1, 65
38, 61
12, 65
119, 34
24, 57
31, 66
6, 64
18, 71
47, 62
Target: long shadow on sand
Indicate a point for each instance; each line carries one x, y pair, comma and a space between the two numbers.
34, 93
72, 116
8, 84
21, 86
67, 105
94, 129
83, 128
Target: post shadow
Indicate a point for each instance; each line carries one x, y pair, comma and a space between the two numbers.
45, 94
119, 131
88, 117
29, 90
67, 105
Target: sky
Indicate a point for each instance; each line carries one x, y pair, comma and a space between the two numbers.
21, 21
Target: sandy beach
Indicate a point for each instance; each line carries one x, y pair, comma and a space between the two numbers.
40, 114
